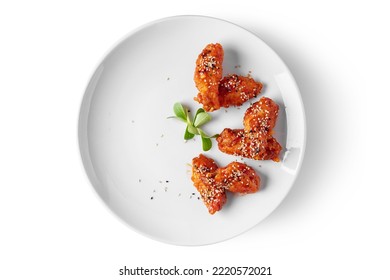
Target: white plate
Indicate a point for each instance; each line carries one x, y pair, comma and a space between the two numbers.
137, 159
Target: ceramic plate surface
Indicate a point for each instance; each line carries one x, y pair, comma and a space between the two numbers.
136, 158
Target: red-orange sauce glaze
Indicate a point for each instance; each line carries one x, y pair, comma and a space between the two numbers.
255, 141
238, 177
235, 90
203, 176
215, 92
212, 182
208, 73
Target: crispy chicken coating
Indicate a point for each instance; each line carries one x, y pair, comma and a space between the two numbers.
261, 116
203, 176
248, 144
238, 177
208, 73
215, 92
213, 182
255, 141
235, 90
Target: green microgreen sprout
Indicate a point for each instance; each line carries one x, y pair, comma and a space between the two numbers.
193, 126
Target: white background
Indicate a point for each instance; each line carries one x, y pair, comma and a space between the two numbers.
334, 224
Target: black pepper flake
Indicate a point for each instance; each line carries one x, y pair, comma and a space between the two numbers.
166, 181
151, 198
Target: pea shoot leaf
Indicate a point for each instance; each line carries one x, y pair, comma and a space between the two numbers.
201, 119
188, 135
180, 112
192, 129
206, 144
193, 126
200, 110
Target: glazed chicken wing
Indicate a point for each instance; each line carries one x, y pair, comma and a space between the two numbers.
213, 182
203, 176
238, 177
215, 92
208, 73
248, 144
261, 116
255, 141
235, 90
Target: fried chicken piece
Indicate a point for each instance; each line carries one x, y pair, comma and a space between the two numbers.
208, 73
238, 177
215, 92
235, 90
252, 145
203, 176
255, 141
213, 182
261, 116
